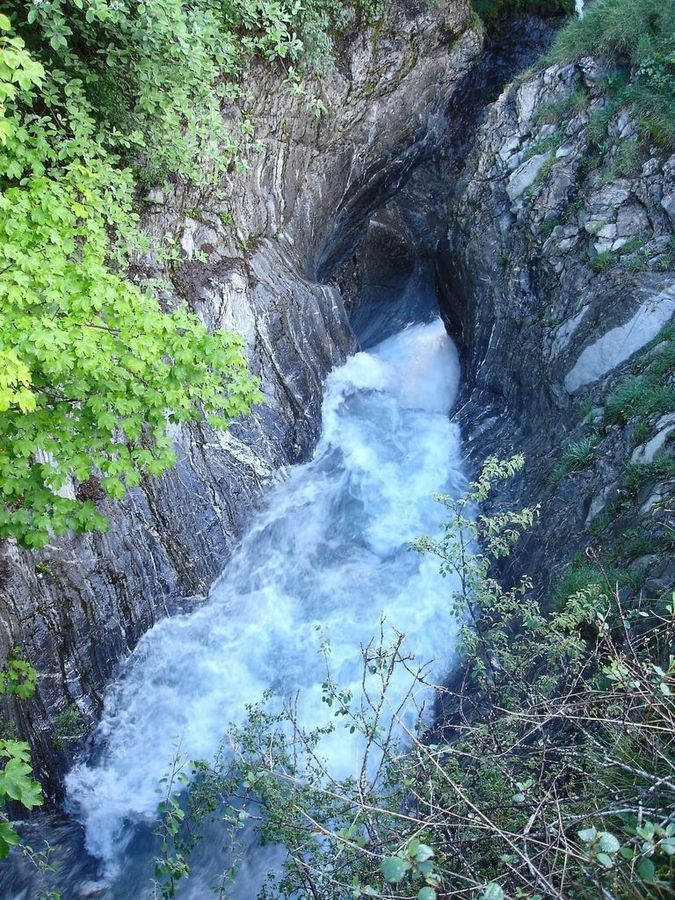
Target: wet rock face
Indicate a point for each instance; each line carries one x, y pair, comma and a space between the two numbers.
248, 257
561, 249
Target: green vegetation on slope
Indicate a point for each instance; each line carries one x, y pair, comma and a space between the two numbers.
95, 97
648, 392
637, 39
551, 773
639, 400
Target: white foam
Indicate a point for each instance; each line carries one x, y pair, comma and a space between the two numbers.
326, 559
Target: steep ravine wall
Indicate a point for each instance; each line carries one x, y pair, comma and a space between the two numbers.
405, 241
247, 258
547, 226
562, 279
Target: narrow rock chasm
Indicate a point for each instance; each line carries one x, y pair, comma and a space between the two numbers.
271, 258
342, 233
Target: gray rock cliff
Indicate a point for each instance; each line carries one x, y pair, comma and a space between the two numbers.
561, 272
546, 236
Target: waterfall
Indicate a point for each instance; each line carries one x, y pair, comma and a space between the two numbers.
325, 559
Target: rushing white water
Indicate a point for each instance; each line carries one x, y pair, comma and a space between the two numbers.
326, 559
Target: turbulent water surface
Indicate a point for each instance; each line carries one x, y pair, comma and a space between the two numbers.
325, 559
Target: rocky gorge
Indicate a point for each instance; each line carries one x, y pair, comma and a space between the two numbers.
249, 261
449, 160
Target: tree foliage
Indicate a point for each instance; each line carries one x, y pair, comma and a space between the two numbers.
16, 781
93, 368
96, 95
98, 98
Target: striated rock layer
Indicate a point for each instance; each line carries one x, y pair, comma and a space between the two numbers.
561, 275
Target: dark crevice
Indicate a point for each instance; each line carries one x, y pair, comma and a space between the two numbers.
388, 250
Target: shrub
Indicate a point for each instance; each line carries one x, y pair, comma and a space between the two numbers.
96, 99
550, 774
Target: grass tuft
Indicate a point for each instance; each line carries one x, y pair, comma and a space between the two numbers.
578, 455
561, 110
637, 39
602, 261
638, 474
639, 397
545, 145
649, 392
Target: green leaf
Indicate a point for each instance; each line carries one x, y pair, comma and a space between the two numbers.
394, 868
8, 839
607, 842
31, 795
8, 834
423, 853
493, 891
605, 859
426, 893
646, 870
587, 835
424, 868
14, 778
